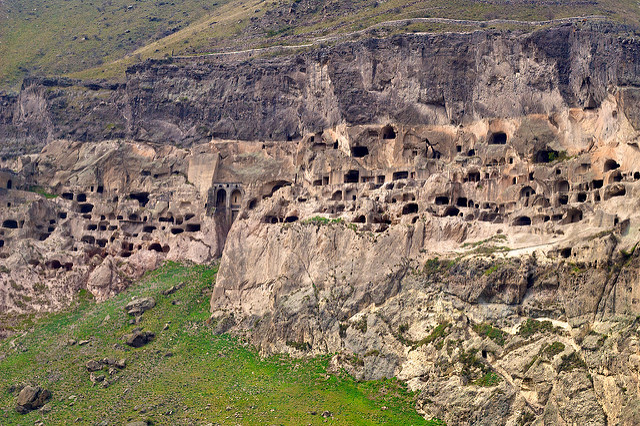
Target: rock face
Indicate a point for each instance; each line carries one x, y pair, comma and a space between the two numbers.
31, 398
459, 211
408, 79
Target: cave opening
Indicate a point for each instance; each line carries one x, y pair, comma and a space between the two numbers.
388, 132
410, 208
498, 138
359, 151
141, 197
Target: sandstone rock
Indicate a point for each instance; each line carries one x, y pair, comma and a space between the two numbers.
93, 365
173, 289
96, 378
139, 306
139, 338
31, 398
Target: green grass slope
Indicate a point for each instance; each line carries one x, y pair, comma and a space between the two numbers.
61, 36
90, 39
187, 375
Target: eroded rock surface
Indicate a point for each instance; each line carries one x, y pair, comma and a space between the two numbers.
459, 211
31, 398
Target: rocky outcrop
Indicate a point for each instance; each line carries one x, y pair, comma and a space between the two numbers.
407, 79
31, 398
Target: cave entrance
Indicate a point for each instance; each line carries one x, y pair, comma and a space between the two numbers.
546, 156
388, 132
522, 221
236, 198
410, 208
400, 175
141, 197
451, 211
359, 151
442, 200
574, 216
527, 192
498, 138
10, 224
221, 199
352, 176
610, 165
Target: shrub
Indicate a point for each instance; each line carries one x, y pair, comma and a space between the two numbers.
492, 333
531, 327
554, 349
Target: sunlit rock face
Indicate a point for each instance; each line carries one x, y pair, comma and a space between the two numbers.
407, 203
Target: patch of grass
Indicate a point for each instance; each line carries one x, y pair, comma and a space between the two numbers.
40, 190
488, 379
493, 268
532, 326
321, 220
571, 362
184, 368
554, 349
361, 324
436, 265
487, 330
476, 244
439, 332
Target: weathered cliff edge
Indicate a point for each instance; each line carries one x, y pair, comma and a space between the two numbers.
409, 203
408, 79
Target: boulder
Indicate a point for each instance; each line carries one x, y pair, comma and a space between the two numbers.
138, 306
139, 338
31, 398
173, 289
93, 365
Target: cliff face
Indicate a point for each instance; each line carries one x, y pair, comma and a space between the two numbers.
456, 210
407, 79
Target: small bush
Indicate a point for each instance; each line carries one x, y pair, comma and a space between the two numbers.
301, 346
531, 327
440, 331
489, 379
571, 362
361, 325
554, 349
492, 333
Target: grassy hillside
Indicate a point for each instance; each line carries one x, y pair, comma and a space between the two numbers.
61, 36
187, 375
100, 39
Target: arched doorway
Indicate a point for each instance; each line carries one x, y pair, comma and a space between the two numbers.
221, 199
236, 198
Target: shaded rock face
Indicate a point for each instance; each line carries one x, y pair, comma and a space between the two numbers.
31, 398
407, 79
